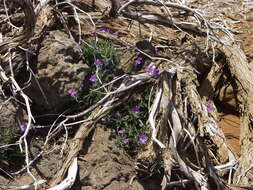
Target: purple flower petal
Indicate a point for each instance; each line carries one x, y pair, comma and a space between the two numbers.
103, 29
152, 70
23, 127
156, 72
143, 139
135, 110
98, 62
122, 131
209, 107
125, 141
138, 61
93, 78
72, 92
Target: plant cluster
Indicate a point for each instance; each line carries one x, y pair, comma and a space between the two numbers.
10, 154
129, 121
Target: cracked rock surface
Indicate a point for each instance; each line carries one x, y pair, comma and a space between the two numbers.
105, 165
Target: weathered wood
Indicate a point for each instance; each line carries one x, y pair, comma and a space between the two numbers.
242, 73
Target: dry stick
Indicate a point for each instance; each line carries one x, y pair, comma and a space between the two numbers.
128, 83
158, 19
8, 18
28, 26
79, 25
65, 141
166, 153
76, 8
75, 147
77, 143
182, 26
170, 22
181, 182
68, 182
244, 173
194, 145
23, 137
242, 72
156, 3
151, 118
41, 5
32, 161
208, 125
177, 128
108, 103
111, 82
31, 186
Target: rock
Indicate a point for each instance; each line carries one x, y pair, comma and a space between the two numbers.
106, 166
49, 164
60, 68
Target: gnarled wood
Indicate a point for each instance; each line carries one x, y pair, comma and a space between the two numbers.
242, 73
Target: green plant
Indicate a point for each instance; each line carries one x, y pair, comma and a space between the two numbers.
10, 154
103, 50
103, 62
129, 122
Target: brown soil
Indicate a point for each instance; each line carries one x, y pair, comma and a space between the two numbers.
230, 125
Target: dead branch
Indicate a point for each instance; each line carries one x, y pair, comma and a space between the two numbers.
28, 26
241, 71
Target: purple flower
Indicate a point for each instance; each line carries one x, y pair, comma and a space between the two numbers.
98, 62
152, 70
125, 141
93, 78
108, 30
156, 72
72, 92
82, 85
23, 127
209, 107
135, 110
138, 61
143, 139
122, 131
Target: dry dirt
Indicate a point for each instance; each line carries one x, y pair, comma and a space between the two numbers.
230, 124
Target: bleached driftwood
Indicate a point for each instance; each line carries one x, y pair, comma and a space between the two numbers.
68, 182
